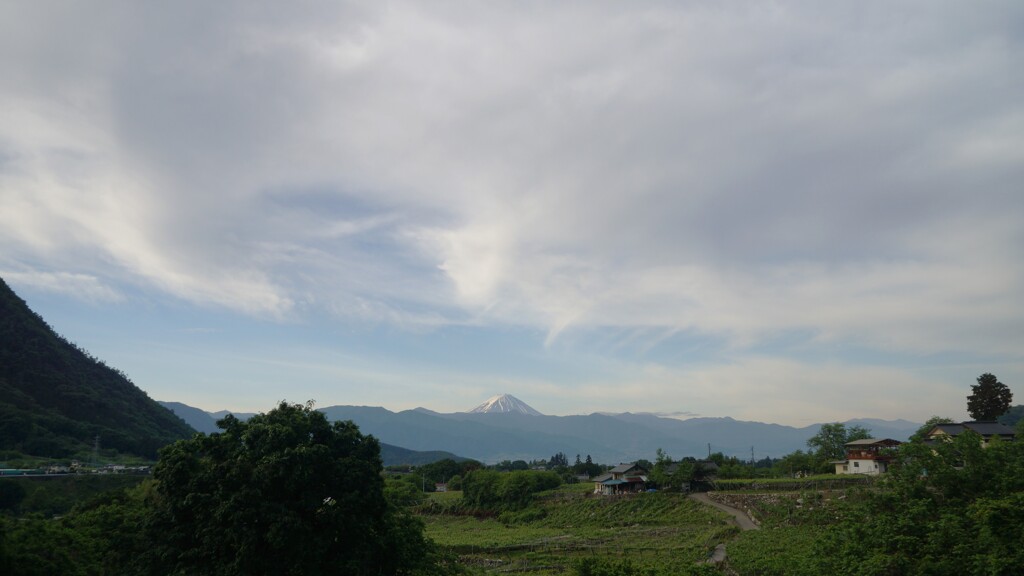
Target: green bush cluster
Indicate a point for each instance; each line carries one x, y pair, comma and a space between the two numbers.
492, 490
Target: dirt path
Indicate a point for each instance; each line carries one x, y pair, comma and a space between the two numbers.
742, 520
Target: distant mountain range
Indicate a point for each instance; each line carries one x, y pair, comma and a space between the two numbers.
506, 428
55, 399
206, 422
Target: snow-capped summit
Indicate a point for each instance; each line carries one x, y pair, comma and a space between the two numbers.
505, 403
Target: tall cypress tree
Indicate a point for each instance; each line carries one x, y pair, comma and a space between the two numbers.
989, 398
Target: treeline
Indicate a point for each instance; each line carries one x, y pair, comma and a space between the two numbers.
560, 463
426, 477
286, 492
493, 490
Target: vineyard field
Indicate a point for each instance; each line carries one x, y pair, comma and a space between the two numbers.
661, 531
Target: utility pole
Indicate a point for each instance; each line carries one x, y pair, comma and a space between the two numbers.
709, 450
751, 455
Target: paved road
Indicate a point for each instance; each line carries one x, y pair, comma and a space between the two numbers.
742, 520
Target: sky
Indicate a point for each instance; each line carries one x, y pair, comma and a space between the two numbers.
789, 212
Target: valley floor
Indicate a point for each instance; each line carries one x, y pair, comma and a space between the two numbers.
666, 532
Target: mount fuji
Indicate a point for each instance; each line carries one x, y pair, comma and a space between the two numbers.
504, 404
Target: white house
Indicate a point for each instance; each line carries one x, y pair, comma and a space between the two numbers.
868, 456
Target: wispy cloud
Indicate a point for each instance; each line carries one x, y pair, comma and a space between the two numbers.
78, 286
848, 173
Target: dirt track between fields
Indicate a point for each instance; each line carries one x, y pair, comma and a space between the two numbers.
742, 520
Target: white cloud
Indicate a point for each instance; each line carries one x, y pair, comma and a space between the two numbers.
731, 170
79, 286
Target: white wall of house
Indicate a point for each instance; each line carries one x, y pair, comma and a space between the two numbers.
857, 466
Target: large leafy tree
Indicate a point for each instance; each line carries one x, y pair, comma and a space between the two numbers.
794, 463
989, 398
830, 442
925, 428
669, 475
285, 492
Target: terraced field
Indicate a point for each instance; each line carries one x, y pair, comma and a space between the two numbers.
666, 533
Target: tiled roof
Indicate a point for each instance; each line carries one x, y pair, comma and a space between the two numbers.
986, 429
873, 441
951, 429
989, 428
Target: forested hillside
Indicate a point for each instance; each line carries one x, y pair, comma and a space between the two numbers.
55, 398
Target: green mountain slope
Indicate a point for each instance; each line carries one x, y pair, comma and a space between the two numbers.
396, 456
55, 398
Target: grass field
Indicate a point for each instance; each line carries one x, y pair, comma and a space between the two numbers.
658, 530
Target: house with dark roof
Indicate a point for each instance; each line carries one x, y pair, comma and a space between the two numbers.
987, 430
623, 479
702, 474
867, 456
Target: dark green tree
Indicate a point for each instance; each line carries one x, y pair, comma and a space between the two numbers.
285, 492
40, 547
5, 564
669, 475
660, 472
921, 433
1012, 416
480, 488
491, 490
560, 460
989, 398
11, 495
440, 471
402, 494
830, 442
587, 467
795, 463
